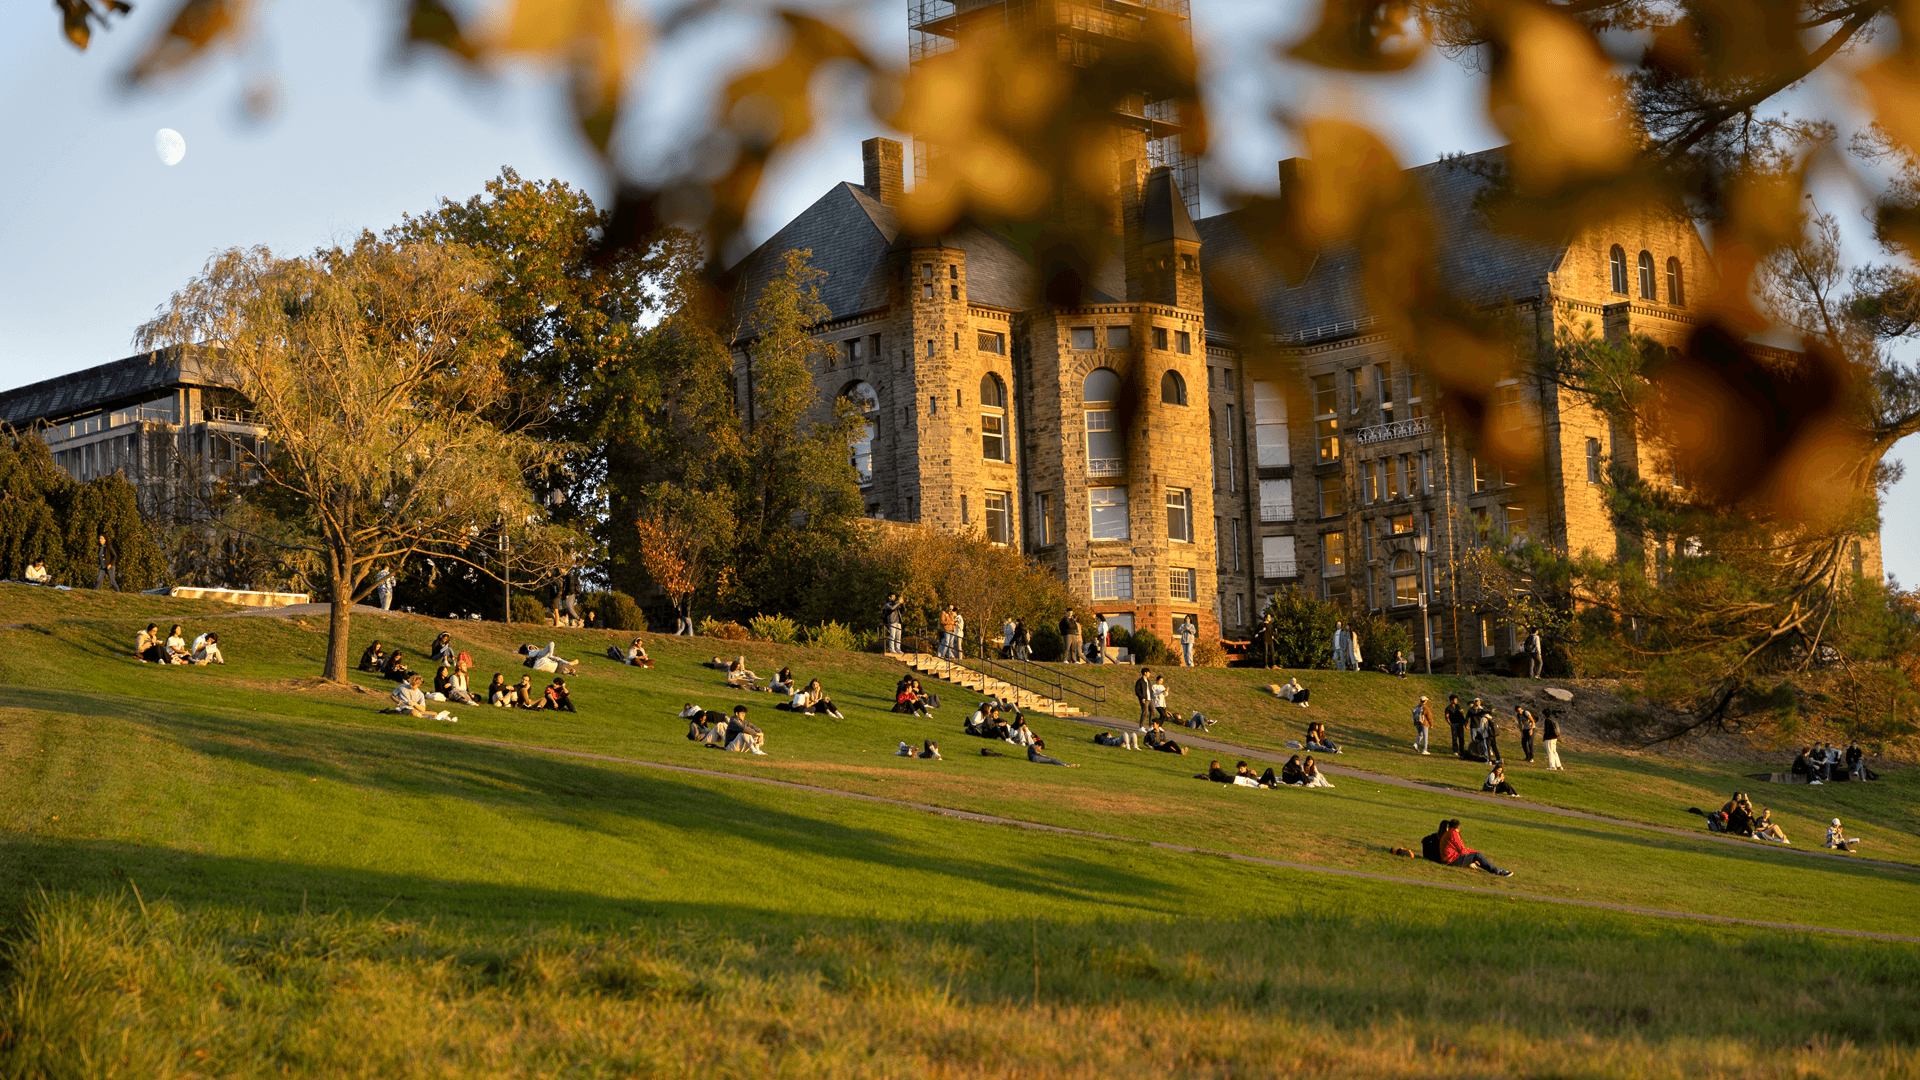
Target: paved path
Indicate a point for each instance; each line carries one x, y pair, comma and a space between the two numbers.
1226, 749
990, 819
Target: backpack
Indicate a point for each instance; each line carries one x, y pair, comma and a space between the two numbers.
1416, 715
1430, 847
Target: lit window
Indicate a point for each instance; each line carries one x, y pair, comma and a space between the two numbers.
1617, 263
1369, 488
1353, 390
1332, 497
1107, 513
1180, 515
1333, 553
1187, 263
1515, 520
1043, 516
1105, 446
1083, 338
1406, 582
993, 419
1416, 407
1391, 478
868, 403
999, 519
1402, 524
1113, 583
1383, 389
1326, 425
1173, 389
1119, 337
1489, 629
1180, 584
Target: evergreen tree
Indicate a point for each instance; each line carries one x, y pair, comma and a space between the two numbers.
45, 514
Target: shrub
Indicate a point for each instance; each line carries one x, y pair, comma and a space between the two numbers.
1046, 641
1303, 630
528, 610
725, 631
1149, 649
833, 635
1208, 652
777, 629
616, 610
1380, 638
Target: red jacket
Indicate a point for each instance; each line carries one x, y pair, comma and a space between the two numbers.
1451, 847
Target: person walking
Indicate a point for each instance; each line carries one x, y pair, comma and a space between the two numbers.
1070, 636
1022, 641
946, 649
103, 574
1489, 730
891, 616
1189, 631
1534, 657
1143, 690
1422, 725
1100, 631
1457, 720
1524, 720
383, 588
1550, 738
1007, 630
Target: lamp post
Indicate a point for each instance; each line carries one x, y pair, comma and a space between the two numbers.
1426, 586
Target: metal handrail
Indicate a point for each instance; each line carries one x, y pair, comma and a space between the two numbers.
1024, 676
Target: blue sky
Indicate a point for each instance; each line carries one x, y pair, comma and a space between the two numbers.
98, 232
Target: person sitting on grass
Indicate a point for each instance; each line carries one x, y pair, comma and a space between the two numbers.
1125, 740
635, 654
929, 750
443, 681
1739, 814
1291, 774
501, 692
441, 651
410, 700
735, 732
457, 686
1496, 782
397, 668
148, 646
1802, 763
818, 701
1266, 779
525, 695
910, 702
1399, 663
699, 719
547, 660
1455, 852
37, 573
1291, 690
1838, 838
1156, 739
782, 683
1765, 829
176, 647
206, 649
374, 659
1246, 777
1019, 734
1317, 740
1314, 778
986, 723
1035, 755
557, 696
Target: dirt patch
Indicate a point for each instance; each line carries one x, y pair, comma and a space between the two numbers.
315, 682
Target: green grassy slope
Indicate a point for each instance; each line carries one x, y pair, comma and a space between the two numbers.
304, 857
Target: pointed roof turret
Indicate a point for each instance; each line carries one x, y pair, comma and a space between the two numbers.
1163, 213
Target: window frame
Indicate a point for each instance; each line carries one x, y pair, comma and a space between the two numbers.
1676, 282
1649, 284
1004, 511
1179, 502
1333, 553
1103, 496
1074, 338
1113, 589
1617, 266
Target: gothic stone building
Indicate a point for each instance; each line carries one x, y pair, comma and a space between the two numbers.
1129, 447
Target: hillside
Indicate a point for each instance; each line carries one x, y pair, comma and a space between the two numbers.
233, 871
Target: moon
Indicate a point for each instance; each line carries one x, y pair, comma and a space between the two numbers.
169, 145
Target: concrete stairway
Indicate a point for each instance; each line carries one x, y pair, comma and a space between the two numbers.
987, 686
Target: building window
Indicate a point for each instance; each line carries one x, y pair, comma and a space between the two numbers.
1369, 488
1483, 475
1383, 389
993, 343
993, 419
1083, 338
1593, 461
1326, 424
1617, 263
1276, 557
1270, 425
929, 348
1187, 263
868, 403
1489, 629
1105, 448
1390, 476
926, 291
1119, 337
965, 518
926, 271
1180, 584
1426, 471
1180, 515
1107, 513
1416, 405
1515, 520
1276, 500
953, 271
1406, 582
1182, 342
1353, 391
1647, 290
1173, 389
853, 349
1043, 516
999, 518
953, 292
1236, 545
1113, 583
1676, 292
1219, 548
1402, 524
1240, 609
1232, 481
1332, 497
1160, 338
1333, 553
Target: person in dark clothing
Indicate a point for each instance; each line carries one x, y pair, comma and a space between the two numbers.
1157, 739
397, 669
1856, 761
441, 651
374, 659
558, 697
1022, 640
1455, 852
1217, 774
892, 614
1496, 782
103, 574
986, 723
1034, 755
1265, 636
1739, 814
1291, 774
1550, 738
1524, 720
443, 681
1070, 637
1143, 692
1457, 720
1803, 764
1489, 729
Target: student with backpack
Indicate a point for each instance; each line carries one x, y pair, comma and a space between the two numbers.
1422, 725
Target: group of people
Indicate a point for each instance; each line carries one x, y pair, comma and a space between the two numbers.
1739, 818
1476, 735
152, 647
912, 699
807, 700
1822, 763
451, 680
1295, 773
635, 654
723, 731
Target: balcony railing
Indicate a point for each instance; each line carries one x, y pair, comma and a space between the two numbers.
1105, 466
224, 414
1279, 568
1276, 511
1398, 429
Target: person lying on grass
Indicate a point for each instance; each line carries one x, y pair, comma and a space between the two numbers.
557, 697
1838, 838
547, 660
635, 654
1157, 739
1455, 852
1021, 734
1125, 740
1496, 782
441, 651
1765, 829
410, 700
374, 659
1034, 755
1311, 774
206, 649
1317, 740
1291, 774
148, 646
929, 750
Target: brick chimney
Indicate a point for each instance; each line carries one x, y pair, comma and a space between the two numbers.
885, 180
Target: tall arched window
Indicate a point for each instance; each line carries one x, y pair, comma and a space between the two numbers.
1676, 291
1647, 290
993, 419
868, 402
1105, 445
1173, 388
1406, 580
1617, 261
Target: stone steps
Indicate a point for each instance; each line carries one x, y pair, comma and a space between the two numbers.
981, 683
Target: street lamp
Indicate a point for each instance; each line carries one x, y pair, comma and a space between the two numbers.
1426, 586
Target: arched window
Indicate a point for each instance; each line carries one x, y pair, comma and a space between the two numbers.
1617, 260
1676, 291
1406, 580
1101, 396
868, 402
1173, 388
993, 419
1647, 290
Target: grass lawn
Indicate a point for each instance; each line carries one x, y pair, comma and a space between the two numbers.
218, 872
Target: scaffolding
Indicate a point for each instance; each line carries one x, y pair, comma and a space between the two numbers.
1085, 28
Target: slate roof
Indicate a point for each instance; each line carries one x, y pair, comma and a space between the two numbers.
1480, 265
1163, 213
122, 382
